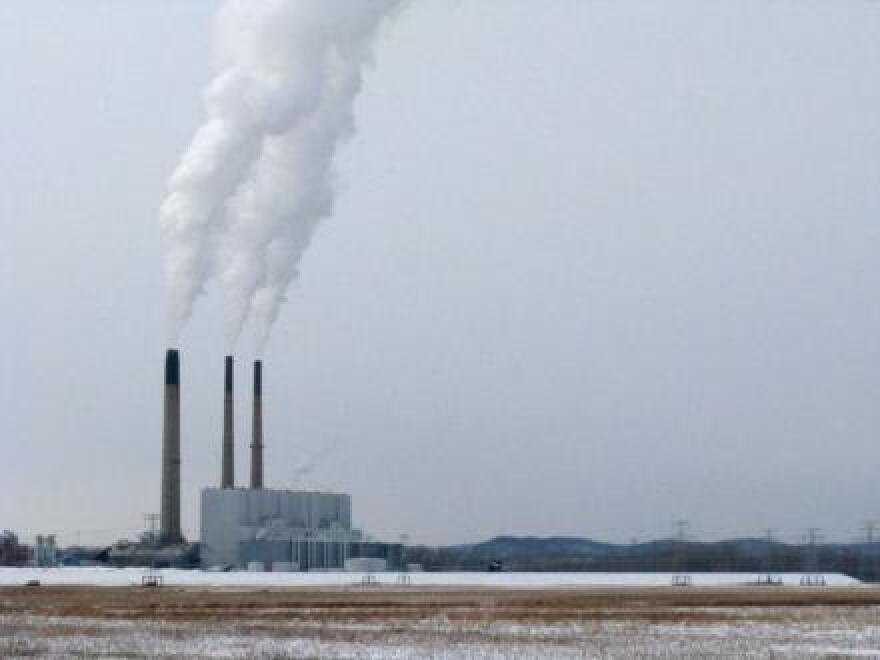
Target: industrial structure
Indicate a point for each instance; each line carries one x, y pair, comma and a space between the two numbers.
170, 505
12, 552
282, 530
46, 551
250, 528
257, 428
227, 479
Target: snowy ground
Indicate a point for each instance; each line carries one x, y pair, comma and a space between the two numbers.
84, 638
458, 629
440, 615
120, 577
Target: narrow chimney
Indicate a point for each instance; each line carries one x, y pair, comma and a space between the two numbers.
257, 430
228, 478
170, 517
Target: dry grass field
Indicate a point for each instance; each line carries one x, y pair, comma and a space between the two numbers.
418, 622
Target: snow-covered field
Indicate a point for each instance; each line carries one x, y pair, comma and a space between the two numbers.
757, 633
118, 577
457, 615
45, 637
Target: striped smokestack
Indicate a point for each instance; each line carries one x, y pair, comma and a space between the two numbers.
257, 429
170, 517
227, 479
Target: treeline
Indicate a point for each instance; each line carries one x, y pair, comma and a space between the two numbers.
739, 555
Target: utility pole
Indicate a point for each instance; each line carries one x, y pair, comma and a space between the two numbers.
770, 539
151, 525
812, 577
681, 579
681, 529
404, 541
868, 557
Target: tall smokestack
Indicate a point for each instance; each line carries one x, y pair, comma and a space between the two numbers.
257, 430
228, 478
170, 517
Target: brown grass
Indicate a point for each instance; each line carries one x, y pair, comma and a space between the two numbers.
95, 621
407, 606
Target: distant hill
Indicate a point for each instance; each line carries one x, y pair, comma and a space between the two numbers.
565, 553
519, 547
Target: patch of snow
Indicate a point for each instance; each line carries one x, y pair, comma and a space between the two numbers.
116, 577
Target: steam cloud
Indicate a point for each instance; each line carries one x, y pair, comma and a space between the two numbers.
256, 180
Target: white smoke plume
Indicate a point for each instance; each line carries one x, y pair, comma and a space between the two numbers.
257, 177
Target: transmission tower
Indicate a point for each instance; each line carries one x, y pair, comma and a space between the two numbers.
768, 578
681, 530
681, 578
811, 576
868, 554
151, 526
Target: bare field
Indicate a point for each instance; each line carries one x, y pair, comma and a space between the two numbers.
438, 622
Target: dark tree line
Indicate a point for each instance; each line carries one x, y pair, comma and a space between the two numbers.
742, 555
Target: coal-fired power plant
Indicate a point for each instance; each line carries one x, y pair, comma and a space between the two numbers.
170, 512
228, 477
253, 528
257, 429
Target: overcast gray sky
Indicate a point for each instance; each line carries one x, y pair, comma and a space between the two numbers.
596, 266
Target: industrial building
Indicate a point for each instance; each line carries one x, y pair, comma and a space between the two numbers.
253, 528
13, 553
263, 529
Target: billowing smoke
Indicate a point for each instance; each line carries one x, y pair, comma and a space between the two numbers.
257, 177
